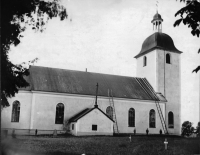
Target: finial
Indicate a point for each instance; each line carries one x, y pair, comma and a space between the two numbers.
96, 96
157, 6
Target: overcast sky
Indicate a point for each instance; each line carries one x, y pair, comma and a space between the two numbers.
104, 36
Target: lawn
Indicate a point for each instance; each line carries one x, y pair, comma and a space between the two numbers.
32, 145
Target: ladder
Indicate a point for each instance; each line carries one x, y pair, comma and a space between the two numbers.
158, 106
145, 85
111, 101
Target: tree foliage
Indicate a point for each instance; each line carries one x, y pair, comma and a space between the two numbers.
198, 129
16, 16
187, 129
190, 16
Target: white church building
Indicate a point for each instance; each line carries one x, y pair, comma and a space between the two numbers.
59, 99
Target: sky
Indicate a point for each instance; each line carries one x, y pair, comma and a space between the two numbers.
105, 35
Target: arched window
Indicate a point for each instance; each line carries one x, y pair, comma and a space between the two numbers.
152, 119
131, 117
15, 111
109, 112
168, 59
59, 113
170, 120
144, 61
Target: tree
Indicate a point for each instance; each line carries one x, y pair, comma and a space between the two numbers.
187, 129
17, 15
198, 129
190, 16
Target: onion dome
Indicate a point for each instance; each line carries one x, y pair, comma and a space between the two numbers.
158, 40
157, 16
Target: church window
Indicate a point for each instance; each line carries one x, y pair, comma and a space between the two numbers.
109, 112
15, 111
94, 127
144, 61
152, 119
59, 113
170, 120
131, 117
168, 59
72, 126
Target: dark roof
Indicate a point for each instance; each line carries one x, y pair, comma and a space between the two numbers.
158, 40
79, 115
27, 78
157, 16
84, 83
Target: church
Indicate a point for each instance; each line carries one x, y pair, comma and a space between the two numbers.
86, 103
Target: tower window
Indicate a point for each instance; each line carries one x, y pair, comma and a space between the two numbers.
109, 112
131, 117
59, 113
168, 59
170, 120
152, 119
144, 61
15, 111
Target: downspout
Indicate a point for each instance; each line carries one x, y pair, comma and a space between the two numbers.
164, 91
164, 74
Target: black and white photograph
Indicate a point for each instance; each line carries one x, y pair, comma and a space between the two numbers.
100, 77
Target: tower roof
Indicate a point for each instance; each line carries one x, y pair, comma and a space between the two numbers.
157, 16
158, 40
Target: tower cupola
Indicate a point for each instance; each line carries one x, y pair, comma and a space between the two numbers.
157, 22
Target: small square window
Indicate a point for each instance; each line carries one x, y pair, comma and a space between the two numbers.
72, 126
94, 127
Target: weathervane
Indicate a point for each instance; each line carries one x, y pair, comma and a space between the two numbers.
157, 6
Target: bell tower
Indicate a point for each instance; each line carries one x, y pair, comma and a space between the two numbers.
157, 23
159, 62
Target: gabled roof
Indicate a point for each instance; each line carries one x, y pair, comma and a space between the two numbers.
79, 115
84, 83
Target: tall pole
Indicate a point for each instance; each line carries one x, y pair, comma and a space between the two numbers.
96, 95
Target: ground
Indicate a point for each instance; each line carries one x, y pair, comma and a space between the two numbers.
101, 145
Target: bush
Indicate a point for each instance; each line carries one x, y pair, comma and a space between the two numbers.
187, 129
198, 129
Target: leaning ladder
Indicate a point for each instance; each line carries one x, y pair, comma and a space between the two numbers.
158, 105
155, 98
111, 101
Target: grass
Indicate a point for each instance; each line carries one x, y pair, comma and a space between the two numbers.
101, 145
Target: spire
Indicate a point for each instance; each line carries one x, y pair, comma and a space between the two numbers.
96, 106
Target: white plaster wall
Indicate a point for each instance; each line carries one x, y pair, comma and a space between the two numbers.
44, 110
142, 109
168, 76
162, 75
148, 71
24, 97
73, 132
95, 117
